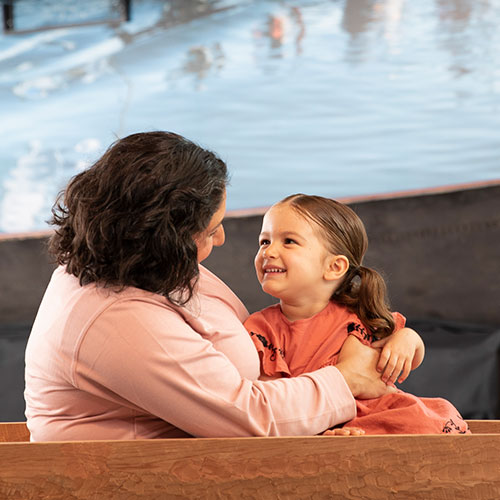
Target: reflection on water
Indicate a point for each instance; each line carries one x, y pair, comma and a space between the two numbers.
39, 14
335, 97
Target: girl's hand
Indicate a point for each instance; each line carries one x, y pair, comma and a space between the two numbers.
401, 352
344, 431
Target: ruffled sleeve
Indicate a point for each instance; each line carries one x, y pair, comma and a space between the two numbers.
356, 328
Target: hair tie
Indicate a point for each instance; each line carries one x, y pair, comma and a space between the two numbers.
353, 272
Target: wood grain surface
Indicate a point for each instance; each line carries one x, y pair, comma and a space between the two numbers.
369, 467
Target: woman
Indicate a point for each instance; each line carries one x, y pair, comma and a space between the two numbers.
134, 339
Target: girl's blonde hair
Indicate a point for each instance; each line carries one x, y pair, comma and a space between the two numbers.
363, 290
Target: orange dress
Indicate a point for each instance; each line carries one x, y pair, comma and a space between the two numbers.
290, 348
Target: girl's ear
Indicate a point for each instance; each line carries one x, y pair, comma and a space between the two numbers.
337, 266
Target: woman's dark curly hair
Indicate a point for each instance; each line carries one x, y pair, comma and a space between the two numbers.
131, 218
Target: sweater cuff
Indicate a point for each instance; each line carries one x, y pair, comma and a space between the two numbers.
341, 398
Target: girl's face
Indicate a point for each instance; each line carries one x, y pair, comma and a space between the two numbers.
213, 236
292, 262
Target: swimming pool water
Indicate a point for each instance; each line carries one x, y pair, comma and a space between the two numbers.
329, 97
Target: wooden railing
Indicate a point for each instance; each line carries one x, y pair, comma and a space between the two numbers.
369, 467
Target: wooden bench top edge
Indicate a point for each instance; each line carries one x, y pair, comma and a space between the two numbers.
18, 432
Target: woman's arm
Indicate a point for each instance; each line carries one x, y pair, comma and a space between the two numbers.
149, 357
358, 365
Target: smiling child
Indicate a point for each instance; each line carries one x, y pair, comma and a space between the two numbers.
310, 257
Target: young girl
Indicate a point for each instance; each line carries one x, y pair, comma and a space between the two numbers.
310, 258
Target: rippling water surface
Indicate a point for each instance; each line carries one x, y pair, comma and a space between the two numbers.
329, 97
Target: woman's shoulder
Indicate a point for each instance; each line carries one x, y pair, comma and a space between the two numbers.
212, 287
85, 303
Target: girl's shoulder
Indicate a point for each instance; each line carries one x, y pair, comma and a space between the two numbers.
350, 322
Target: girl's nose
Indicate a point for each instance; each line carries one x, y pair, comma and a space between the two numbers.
270, 251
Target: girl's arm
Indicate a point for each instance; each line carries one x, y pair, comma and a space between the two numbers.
401, 352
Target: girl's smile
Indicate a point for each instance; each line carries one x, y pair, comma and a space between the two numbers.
273, 270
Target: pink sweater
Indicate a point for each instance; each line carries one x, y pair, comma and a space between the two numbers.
129, 365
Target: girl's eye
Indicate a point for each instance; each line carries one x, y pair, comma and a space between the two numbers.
263, 242
289, 241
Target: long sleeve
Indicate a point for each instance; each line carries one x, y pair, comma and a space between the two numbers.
171, 372
129, 365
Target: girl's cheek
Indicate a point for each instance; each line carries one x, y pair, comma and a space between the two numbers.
258, 262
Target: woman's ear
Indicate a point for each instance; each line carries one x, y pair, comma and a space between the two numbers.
337, 266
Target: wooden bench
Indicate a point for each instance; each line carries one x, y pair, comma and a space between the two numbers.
13, 431
369, 467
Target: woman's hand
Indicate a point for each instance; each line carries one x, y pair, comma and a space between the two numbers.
401, 352
357, 363
344, 431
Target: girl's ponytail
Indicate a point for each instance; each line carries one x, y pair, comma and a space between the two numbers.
364, 293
